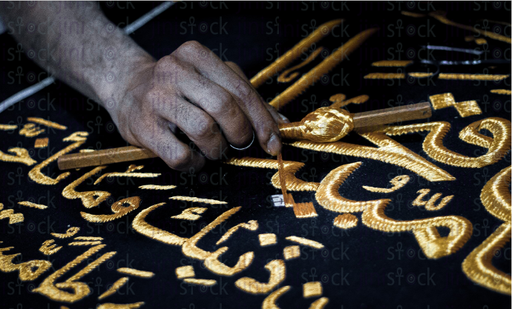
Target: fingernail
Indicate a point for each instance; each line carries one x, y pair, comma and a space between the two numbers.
274, 145
283, 118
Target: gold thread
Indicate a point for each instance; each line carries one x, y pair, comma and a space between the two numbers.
6, 127
398, 182
433, 143
277, 271
488, 77
501, 91
267, 239
345, 221
251, 225
287, 77
30, 130
191, 214
69, 233
429, 205
114, 288
213, 264
84, 243
47, 123
496, 196
11, 215
128, 173
118, 209
48, 247
270, 300
319, 303
86, 150
339, 100
121, 306
305, 242
88, 238
190, 249
136, 272
389, 151
22, 156
89, 199
439, 15
480, 41
443, 100
420, 74
185, 272
412, 14
468, 108
385, 76
36, 175
140, 225
156, 187
197, 200
324, 67
28, 271
312, 289
290, 168
41, 142
203, 282
291, 252
392, 63
294, 53
59, 291
32, 205
304, 210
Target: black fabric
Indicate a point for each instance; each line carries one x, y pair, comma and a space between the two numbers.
359, 267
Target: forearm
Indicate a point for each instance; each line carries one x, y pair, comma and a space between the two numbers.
84, 49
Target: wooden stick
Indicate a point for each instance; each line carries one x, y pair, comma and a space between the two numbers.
131, 153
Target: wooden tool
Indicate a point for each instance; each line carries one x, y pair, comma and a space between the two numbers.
131, 153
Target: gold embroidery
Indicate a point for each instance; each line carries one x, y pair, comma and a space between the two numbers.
284, 77
41, 143
117, 208
429, 205
325, 124
252, 225
30, 130
443, 100
35, 174
203, 282
191, 214
59, 291
6, 127
214, 265
397, 182
339, 100
290, 168
420, 74
465, 109
135, 272
321, 69
489, 77
49, 248
439, 15
22, 156
304, 210
496, 196
319, 303
291, 252
501, 91
28, 271
47, 123
277, 271
156, 187
128, 173
305, 242
197, 200
294, 53
69, 233
385, 76
433, 143
267, 239
121, 306
94, 238
345, 221
312, 289
89, 199
86, 150
115, 286
84, 243
392, 63
412, 14
389, 151
190, 249
185, 272
270, 300
478, 41
9, 214
32, 205
140, 225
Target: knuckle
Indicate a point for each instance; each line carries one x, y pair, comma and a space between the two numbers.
180, 160
203, 129
190, 46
